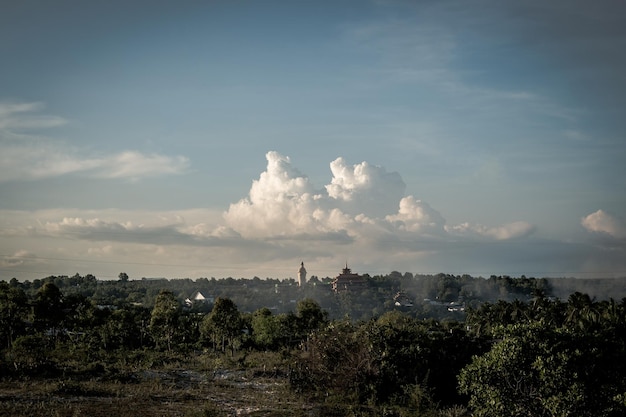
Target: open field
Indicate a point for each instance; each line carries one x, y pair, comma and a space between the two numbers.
155, 393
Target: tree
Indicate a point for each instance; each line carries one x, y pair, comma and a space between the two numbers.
78, 319
13, 310
222, 325
539, 370
266, 329
49, 309
339, 364
123, 276
164, 320
401, 350
310, 316
582, 311
417, 357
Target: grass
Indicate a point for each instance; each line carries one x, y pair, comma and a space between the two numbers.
155, 394
199, 385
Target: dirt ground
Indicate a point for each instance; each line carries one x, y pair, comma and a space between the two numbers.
154, 393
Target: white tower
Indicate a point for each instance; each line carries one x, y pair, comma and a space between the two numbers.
301, 275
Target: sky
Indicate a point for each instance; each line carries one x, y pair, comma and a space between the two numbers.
187, 139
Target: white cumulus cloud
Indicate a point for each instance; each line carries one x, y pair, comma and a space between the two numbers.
362, 201
364, 188
281, 201
602, 222
284, 202
416, 216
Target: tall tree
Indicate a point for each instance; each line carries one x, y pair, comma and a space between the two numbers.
310, 316
223, 324
266, 329
49, 309
13, 311
164, 320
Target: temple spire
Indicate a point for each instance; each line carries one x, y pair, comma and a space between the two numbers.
302, 275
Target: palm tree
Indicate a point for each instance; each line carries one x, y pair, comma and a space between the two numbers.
582, 311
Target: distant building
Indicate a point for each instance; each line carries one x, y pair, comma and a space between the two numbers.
401, 299
198, 298
348, 281
456, 306
301, 275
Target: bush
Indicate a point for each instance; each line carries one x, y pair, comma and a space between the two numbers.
29, 355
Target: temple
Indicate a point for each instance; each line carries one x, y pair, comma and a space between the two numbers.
347, 281
301, 275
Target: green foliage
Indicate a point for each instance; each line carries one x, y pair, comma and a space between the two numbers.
13, 313
223, 326
394, 361
310, 316
267, 329
536, 369
338, 364
165, 320
48, 308
28, 354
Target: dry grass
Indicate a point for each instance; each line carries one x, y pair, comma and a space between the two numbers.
154, 393
253, 384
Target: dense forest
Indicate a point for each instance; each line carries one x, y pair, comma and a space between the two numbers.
402, 345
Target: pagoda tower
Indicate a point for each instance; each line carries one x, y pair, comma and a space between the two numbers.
301, 275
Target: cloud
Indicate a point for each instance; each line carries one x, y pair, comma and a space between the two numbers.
364, 188
18, 116
47, 160
284, 217
133, 164
603, 223
161, 232
410, 52
97, 229
282, 201
27, 157
363, 202
505, 232
417, 216
18, 258
157, 229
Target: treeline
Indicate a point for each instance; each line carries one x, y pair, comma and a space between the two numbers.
537, 357
428, 295
49, 320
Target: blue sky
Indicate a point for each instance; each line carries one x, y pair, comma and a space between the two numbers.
213, 139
